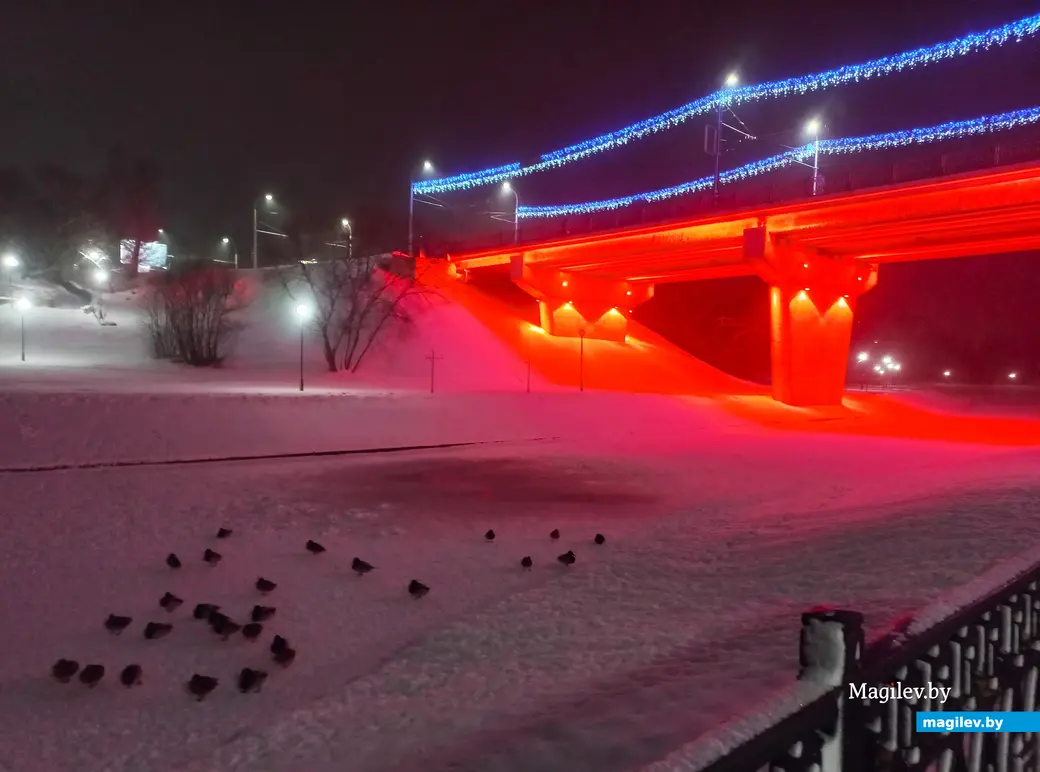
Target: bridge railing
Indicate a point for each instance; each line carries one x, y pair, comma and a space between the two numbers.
982, 643
842, 174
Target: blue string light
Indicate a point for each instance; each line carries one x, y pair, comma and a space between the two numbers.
979, 41
802, 155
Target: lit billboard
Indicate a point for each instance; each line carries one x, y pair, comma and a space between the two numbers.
151, 257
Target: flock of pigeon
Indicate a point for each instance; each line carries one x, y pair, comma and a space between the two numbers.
249, 680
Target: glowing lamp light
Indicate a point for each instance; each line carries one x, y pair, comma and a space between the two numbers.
805, 265
225, 240
947, 373
22, 304
897, 367
269, 197
732, 80
304, 311
629, 292
1012, 376
427, 166
344, 223
100, 275
563, 284
862, 356
886, 360
812, 127
506, 187
10, 261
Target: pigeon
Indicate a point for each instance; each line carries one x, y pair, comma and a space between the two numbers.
117, 624
223, 533
91, 675
250, 680
526, 562
225, 628
201, 685
265, 585
170, 602
600, 539
554, 534
154, 630
313, 547
252, 631
279, 644
173, 561
361, 567
205, 610
417, 589
285, 657
212, 557
64, 669
262, 613
567, 558
216, 619
490, 535
131, 676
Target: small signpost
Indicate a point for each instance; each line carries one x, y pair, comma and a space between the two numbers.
433, 362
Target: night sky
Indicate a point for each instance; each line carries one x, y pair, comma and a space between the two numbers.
329, 105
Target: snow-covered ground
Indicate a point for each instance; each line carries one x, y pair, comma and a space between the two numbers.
719, 533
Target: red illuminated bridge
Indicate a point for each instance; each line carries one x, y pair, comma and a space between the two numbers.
818, 256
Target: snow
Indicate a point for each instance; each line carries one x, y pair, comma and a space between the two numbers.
720, 532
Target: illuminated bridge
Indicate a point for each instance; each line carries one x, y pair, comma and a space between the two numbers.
817, 255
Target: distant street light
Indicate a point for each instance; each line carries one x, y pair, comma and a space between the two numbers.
427, 168
100, 276
813, 128
947, 373
1012, 376
344, 224
732, 80
224, 240
508, 188
863, 356
268, 199
22, 305
11, 261
303, 313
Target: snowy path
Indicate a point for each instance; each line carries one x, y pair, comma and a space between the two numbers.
687, 614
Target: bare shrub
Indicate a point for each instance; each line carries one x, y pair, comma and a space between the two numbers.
187, 315
357, 301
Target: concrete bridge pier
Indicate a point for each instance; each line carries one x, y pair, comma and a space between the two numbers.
574, 304
812, 300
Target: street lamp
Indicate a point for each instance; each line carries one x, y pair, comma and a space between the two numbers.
508, 188
303, 313
345, 225
11, 261
1011, 376
268, 199
947, 373
813, 128
224, 240
863, 356
427, 168
100, 276
732, 81
22, 305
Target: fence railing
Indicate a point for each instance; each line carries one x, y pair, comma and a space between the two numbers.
984, 646
842, 174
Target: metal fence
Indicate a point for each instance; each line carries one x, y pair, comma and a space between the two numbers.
986, 651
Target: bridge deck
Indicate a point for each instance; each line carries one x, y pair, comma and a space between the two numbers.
991, 212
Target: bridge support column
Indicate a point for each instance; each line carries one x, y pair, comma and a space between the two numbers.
812, 304
573, 304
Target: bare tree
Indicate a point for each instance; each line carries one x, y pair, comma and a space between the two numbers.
357, 300
187, 315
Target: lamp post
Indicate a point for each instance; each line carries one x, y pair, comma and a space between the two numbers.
23, 305
732, 81
427, 167
581, 360
508, 188
9, 262
345, 225
303, 313
268, 199
813, 129
227, 241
